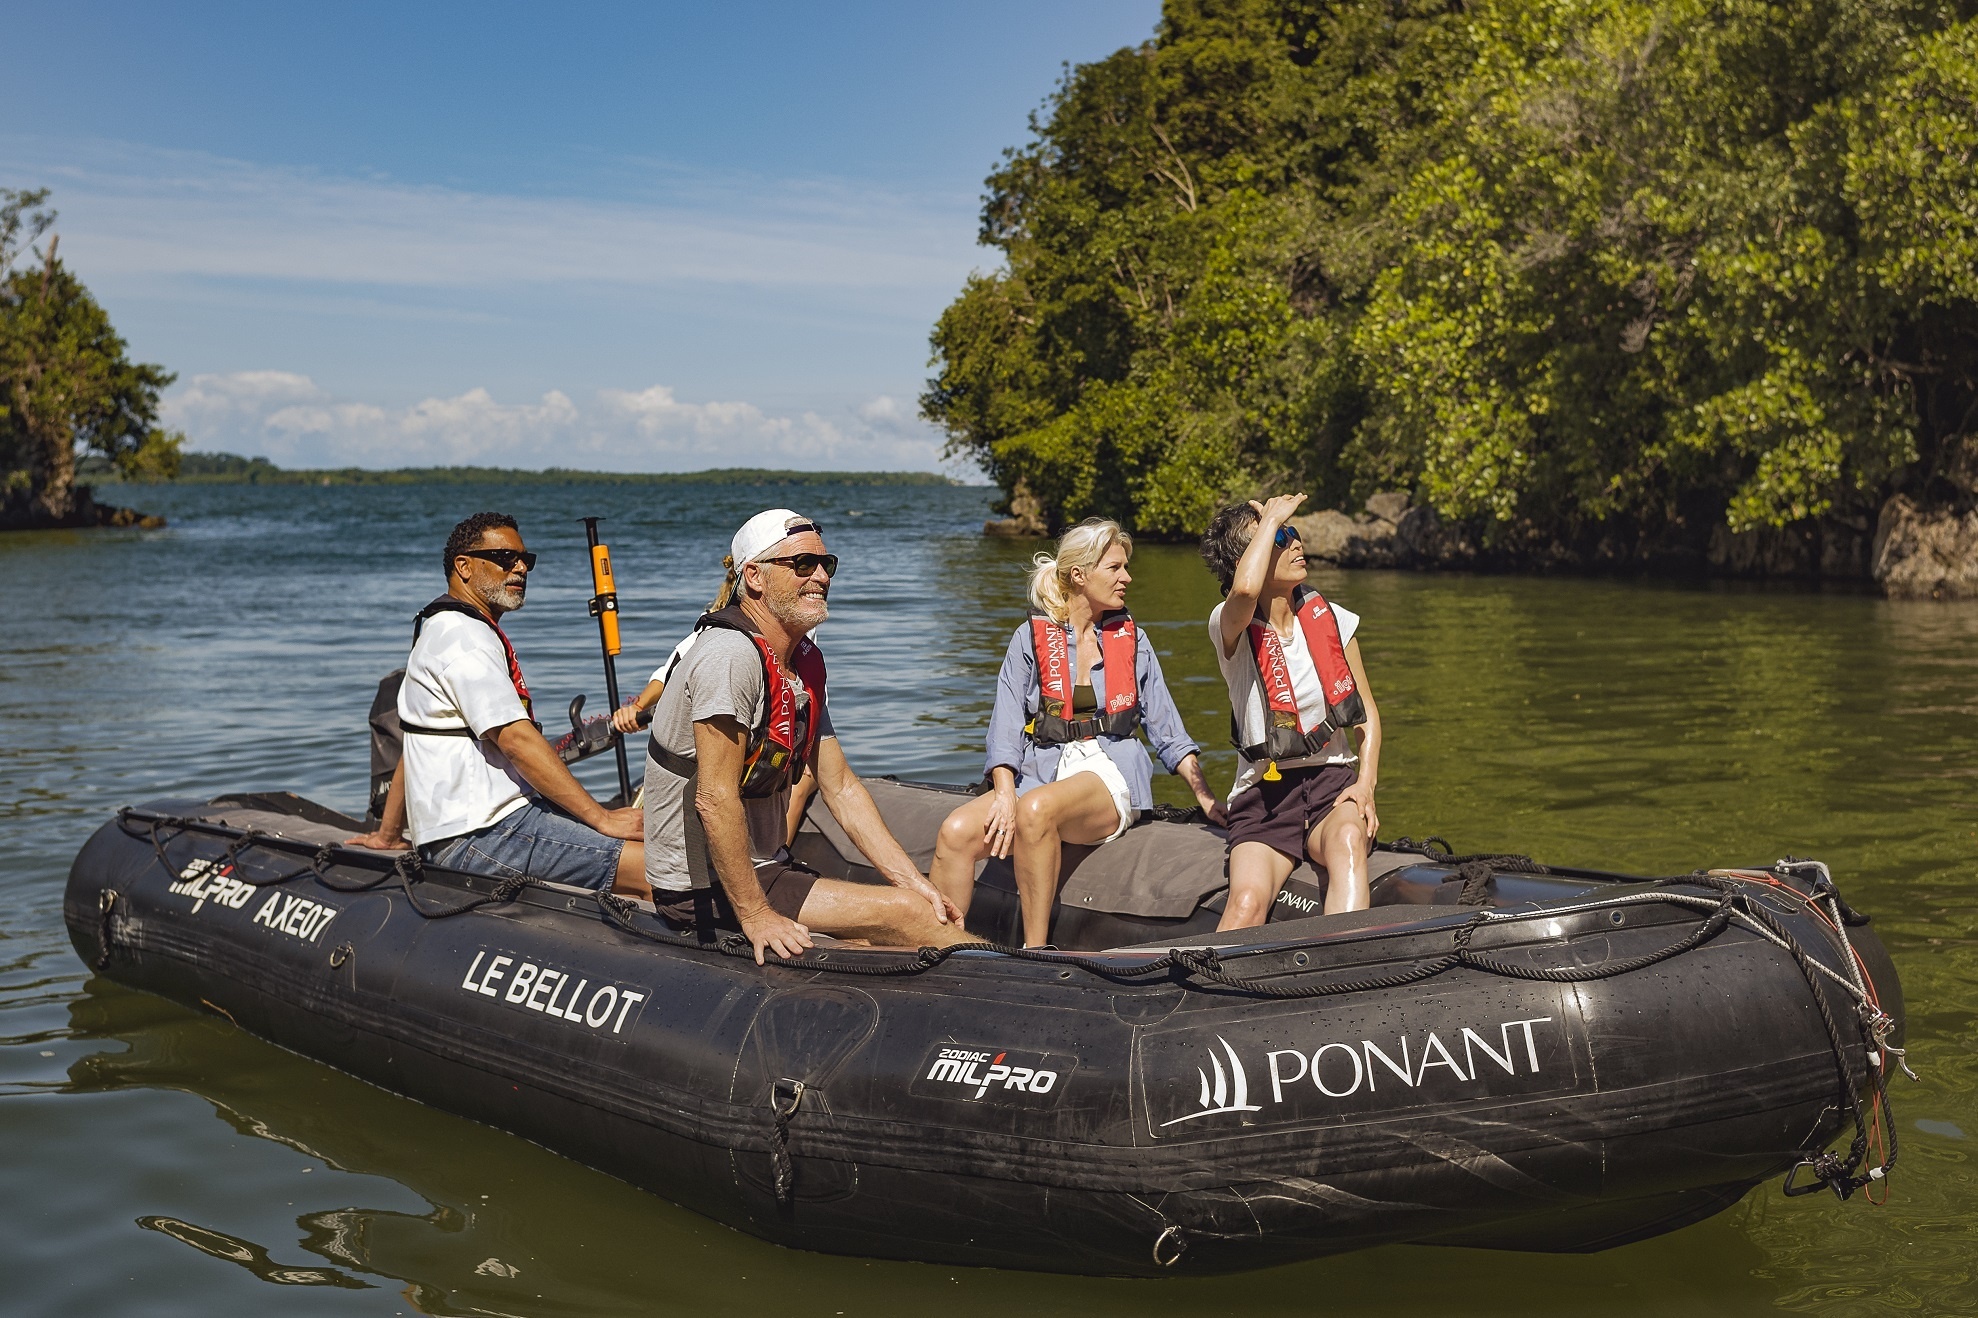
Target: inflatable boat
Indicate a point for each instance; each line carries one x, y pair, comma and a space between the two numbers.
1498, 1053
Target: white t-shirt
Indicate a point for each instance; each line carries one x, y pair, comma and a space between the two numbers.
1246, 689
457, 676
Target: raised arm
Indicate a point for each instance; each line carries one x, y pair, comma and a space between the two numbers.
1253, 570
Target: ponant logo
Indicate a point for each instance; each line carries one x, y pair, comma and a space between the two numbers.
1503, 1056
1230, 1091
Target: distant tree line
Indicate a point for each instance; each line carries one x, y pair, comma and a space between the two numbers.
66, 388
233, 469
1566, 270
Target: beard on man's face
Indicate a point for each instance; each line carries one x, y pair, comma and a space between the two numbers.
502, 597
800, 605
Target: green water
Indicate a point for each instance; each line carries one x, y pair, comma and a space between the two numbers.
158, 1161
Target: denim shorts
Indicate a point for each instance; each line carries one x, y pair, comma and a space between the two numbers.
539, 841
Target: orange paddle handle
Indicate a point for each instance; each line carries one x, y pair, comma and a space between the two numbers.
607, 593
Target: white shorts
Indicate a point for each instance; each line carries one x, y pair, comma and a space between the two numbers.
1086, 757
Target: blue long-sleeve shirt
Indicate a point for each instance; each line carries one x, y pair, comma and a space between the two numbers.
1018, 698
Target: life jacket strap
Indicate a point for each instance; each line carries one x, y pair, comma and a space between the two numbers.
420, 730
672, 761
1102, 725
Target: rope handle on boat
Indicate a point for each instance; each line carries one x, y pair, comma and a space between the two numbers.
106, 904
781, 1110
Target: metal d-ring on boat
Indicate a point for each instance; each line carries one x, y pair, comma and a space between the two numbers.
1496, 1054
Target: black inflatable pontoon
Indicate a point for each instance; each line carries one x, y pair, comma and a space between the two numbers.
1494, 1055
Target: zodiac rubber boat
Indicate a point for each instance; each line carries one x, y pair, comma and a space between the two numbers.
1496, 1054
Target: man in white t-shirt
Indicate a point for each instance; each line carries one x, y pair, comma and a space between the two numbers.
1298, 692
479, 788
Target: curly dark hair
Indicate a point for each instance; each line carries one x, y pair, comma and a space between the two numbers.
1229, 534
467, 535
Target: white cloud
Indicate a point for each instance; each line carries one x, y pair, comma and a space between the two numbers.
886, 410
289, 419
216, 400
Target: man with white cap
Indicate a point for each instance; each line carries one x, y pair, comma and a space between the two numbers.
741, 717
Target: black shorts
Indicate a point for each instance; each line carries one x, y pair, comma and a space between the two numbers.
1281, 815
786, 884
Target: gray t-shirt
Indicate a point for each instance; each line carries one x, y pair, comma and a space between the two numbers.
721, 674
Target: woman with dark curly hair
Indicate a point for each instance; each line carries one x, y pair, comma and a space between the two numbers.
1297, 690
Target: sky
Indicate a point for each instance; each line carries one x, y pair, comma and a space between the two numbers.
658, 237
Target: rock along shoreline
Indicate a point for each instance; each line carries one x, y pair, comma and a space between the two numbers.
83, 514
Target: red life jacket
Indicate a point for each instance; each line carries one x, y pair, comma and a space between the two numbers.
1119, 642
1284, 737
783, 743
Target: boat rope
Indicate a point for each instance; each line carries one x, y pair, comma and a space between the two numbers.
1198, 967
1842, 1175
406, 867
781, 1109
1205, 963
1507, 861
106, 904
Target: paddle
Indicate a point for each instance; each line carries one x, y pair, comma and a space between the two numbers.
604, 607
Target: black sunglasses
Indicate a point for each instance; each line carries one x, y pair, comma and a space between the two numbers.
505, 559
1284, 537
805, 564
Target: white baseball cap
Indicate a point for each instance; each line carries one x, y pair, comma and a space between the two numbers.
765, 531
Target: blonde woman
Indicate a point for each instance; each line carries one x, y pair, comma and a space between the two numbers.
1078, 681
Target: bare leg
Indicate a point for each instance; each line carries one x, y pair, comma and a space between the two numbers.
1256, 872
888, 916
630, 880
1079, 810
959, 845
1340, 844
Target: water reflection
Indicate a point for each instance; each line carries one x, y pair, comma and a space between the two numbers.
254, 1258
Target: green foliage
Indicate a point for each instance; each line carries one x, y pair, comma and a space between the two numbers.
1556, 266
65, 383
